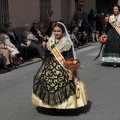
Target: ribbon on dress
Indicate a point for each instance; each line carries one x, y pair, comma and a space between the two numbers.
115, 23
61, 61
116, 27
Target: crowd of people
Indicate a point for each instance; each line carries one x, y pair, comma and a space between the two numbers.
57, 84
14, 51
87, 27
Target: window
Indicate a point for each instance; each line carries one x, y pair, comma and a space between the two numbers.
4, 12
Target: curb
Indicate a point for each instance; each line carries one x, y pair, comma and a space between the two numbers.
35, 60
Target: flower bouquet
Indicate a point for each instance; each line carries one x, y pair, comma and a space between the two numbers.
72, 64
103, 38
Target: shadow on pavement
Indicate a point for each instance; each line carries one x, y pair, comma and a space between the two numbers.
65, 112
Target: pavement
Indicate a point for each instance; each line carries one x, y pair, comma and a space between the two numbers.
35, 60
102, 84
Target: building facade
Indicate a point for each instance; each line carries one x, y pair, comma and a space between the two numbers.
20, 12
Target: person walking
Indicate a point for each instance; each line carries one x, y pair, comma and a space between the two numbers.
111, 49
54, 85
31, 41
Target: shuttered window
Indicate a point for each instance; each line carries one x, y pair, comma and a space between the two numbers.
45, 5
4, 12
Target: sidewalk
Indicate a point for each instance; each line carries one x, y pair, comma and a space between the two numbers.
35, 60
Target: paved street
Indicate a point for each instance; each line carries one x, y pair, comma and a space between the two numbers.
102, 83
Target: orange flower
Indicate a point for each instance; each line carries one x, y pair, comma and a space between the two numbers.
103, 38
107, 18
69, 62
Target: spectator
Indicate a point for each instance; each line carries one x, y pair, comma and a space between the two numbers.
91, 16
37, 33
6, 40
78, 15
30, 40
14, 40
47, 19
72, 26
50, 29
92, 33
76, 43
45, 37
85, 22
7, 57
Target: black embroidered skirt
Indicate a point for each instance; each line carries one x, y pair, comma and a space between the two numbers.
111, 49
53, 87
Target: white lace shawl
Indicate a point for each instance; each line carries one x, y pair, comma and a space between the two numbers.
112, 19
62, 45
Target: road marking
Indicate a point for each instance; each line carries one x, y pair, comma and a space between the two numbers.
85, 49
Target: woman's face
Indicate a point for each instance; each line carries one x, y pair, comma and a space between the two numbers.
116, 10
58, 32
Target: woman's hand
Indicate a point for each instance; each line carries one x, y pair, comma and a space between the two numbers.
5, 47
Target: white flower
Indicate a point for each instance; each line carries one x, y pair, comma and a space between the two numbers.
112, 19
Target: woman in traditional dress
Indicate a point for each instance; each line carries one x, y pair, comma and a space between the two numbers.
53, 85
111, 49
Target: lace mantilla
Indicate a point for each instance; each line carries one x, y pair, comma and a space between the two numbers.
52, 84
62, 45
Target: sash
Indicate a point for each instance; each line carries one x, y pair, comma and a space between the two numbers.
58, 55
61, 61
114, 23
116, 27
